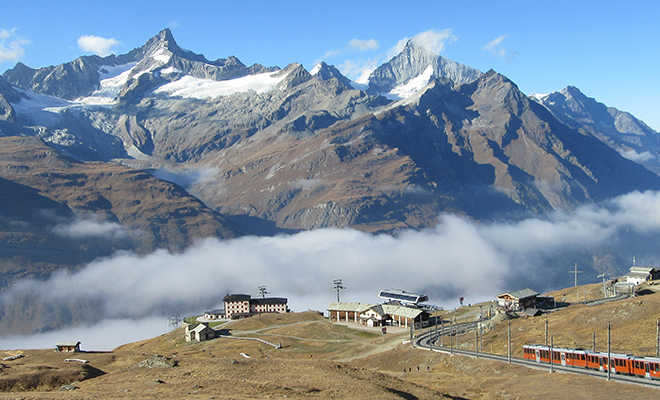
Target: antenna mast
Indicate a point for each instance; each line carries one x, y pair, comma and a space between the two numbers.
263, 292
338, 286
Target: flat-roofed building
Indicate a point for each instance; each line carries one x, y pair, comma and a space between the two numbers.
347, 311
402, 296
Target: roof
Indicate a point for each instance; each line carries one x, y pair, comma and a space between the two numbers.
648, 270
532, 312
269, 300
344, 306
200, 328
637, 275
237, 297
402, 311
215, 312
402, 295
67, 344
378, 310
521, 294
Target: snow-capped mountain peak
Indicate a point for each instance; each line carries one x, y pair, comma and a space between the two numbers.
413, 68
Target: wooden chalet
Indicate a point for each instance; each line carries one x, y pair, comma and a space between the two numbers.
518, 300
67, 347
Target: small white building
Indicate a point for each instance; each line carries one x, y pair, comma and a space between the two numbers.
375, 316
198, 332
639, 275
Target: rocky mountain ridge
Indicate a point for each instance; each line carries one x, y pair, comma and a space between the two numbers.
293, 149
620, 130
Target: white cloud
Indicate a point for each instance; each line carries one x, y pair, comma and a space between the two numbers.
187, 178
360, 70
91, 227
496, 49
104, 336
397, 47
433, 40
97, 45
637, 157
11, 45
362, 45
353, 45
458, 258
307, 184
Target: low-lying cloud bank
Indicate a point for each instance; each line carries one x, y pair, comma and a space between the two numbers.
458, 258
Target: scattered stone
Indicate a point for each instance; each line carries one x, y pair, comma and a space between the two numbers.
157, 361
158, 381
68, 387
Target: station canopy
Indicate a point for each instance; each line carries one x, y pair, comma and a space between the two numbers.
402, 296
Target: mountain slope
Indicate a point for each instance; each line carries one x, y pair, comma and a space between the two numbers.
618, 129
58, 211
306, 150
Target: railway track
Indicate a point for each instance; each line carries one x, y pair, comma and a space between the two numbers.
428, 341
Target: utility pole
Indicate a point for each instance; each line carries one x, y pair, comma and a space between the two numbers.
609, 354
546, 331
338, 286
575, 272
604, 276
657, 340
594, 342
476, 343
451, 336
552, 347
509, 345
442, 332
262, 291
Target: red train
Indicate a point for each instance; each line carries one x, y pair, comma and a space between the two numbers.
646, 367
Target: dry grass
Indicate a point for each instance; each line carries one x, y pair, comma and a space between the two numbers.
309, 366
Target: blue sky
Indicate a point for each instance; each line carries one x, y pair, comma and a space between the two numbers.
610, 50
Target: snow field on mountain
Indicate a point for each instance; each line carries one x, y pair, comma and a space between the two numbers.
412, 86
112, 81
191, 87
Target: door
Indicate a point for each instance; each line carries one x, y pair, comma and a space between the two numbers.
538, 355
563, 359
647, 372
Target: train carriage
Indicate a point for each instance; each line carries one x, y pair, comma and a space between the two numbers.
648, 367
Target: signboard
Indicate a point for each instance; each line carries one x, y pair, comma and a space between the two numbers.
384, 330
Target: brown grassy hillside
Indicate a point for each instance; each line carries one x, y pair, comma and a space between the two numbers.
326, 361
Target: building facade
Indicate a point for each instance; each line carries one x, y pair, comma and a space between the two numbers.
243, 305
518, 300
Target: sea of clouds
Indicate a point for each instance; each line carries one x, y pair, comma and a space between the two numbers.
134, 295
